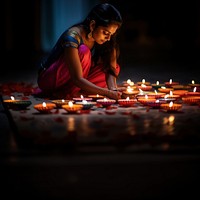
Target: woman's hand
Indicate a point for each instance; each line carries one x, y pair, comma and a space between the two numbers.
114, 94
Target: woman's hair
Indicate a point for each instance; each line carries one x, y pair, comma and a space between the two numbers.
104, 15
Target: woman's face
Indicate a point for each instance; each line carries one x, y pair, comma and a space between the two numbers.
102, 34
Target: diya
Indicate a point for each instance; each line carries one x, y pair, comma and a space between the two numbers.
45, 107
60, 102
106, 102
72, 108
86, 104
126, 102
193, 100
17, 104
171, 107
171, 83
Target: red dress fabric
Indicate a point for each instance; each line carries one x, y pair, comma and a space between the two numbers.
56, 81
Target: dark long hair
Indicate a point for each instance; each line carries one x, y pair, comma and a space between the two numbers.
104, 14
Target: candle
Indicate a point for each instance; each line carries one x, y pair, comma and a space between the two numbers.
72, 108
170, 107
17, 104
45, 107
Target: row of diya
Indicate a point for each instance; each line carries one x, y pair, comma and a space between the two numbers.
169, 102
146, 86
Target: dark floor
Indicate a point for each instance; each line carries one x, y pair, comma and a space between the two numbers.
59, 174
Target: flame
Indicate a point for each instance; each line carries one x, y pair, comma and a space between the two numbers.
127, 98
143, 80
157, 82
193, 82
12, 98
70, 104
146, 96
63, 100
128, 81
171, 104
195, 88
170, 93
104, 99
82, 97
170, 81
44, 104
84, 101
155, 91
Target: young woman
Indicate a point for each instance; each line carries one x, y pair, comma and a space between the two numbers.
84, 59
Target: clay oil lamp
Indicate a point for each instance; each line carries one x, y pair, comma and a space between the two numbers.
193, 93
166, 99
144, 87
127, 102
193, 85
129, 92
165, 89
153, 103
72, 108
95, 96
16, 104
105, 102
144, 100
81, 98
155, 94
60, 102
181, 93
157, 85
143, 82
171, 83
192, 100
171, 107
45, 107
87, 105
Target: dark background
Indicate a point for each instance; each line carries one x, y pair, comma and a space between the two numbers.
154, 34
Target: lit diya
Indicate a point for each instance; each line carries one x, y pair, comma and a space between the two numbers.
81, 98
129, 92
165, 89
153, 103
128, 83
106, 102
193, 85
171, 83
143, 82
72, 108
144, 87
126, 102
144, 100
172, 95
180, 92
156, 94
193, 100
193, 93
17, 104
171, 107
45, 107
95, 97
86, 104
60, 102
157, 85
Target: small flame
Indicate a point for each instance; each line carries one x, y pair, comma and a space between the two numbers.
84, 101
170, 81
127, 98
143, 80
82, 97
128, 81
171, 104
104, 99
12, 98
146, 96
193, 82
129, 89
155, 91
44, 104
70, 104
195, 88
170, 93
157, 82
